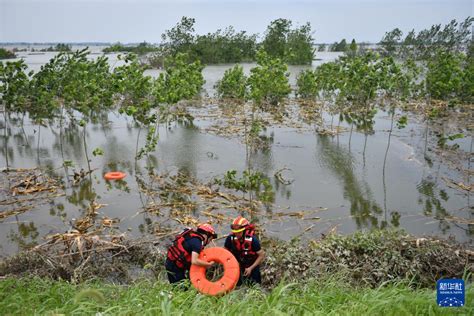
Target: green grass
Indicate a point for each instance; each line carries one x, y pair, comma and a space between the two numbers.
39, 296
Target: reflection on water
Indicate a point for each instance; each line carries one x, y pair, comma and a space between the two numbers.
341, 163
431, 198
24, 235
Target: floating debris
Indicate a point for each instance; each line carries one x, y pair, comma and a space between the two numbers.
458, 185
279, 177
27, 188
189, 202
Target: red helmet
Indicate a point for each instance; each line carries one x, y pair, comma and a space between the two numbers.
239, 224
207, 229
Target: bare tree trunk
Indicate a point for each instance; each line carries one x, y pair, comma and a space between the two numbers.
350, 135
85, 151
365, 146
383, 169
5, 141
38, 144
23, 129
468, 176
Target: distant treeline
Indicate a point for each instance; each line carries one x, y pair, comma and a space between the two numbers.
293, 45
58, 48
452, 36
140, 49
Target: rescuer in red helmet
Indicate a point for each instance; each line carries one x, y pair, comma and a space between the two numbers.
185, 251
245, 246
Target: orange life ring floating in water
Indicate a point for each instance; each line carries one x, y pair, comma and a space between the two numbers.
114, 175
226, 283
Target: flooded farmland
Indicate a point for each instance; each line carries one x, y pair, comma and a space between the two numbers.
346, 181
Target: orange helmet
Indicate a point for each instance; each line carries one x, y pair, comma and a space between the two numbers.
207, 229
239, 224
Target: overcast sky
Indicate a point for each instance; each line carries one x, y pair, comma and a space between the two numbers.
145, 20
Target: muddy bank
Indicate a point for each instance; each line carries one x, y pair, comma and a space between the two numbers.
368, 259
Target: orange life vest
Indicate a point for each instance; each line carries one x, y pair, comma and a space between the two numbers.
242, 248
178, 254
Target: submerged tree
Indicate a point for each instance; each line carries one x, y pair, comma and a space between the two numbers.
391, 41
295, 46
268, 81
13, 94
233, 84
219, 47
339, 47
180, 38
453, 37
444, 77
6, 54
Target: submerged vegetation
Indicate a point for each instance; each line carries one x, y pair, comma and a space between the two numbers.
73, 90
233, 84
140, 49
6, 54
453, 37
268, 81
58, 48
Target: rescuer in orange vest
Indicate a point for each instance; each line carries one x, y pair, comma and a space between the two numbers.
185, 251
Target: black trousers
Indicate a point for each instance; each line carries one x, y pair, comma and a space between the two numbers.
175, 274
254, 278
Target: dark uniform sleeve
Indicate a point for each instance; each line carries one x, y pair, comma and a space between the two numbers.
194, 244
228, 243
256, 244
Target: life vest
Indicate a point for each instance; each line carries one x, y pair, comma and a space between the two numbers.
242, 248
177, 253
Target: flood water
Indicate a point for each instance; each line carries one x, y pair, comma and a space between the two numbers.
343, 174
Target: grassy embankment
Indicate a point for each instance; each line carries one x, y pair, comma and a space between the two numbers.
41, 296
366, 273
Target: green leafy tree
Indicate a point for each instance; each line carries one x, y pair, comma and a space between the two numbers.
453, 37
352, 51
14, 84
141, 49
339, 47
268, 81
467, 86
136, 90
58, 48
181, 37
225, 46
295, 46
233, 84
444, 75
6, 54
13, 91
407, 47
75, 84
307, 85
72, 81
274, 43
181, 80
391, 41
300, 49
